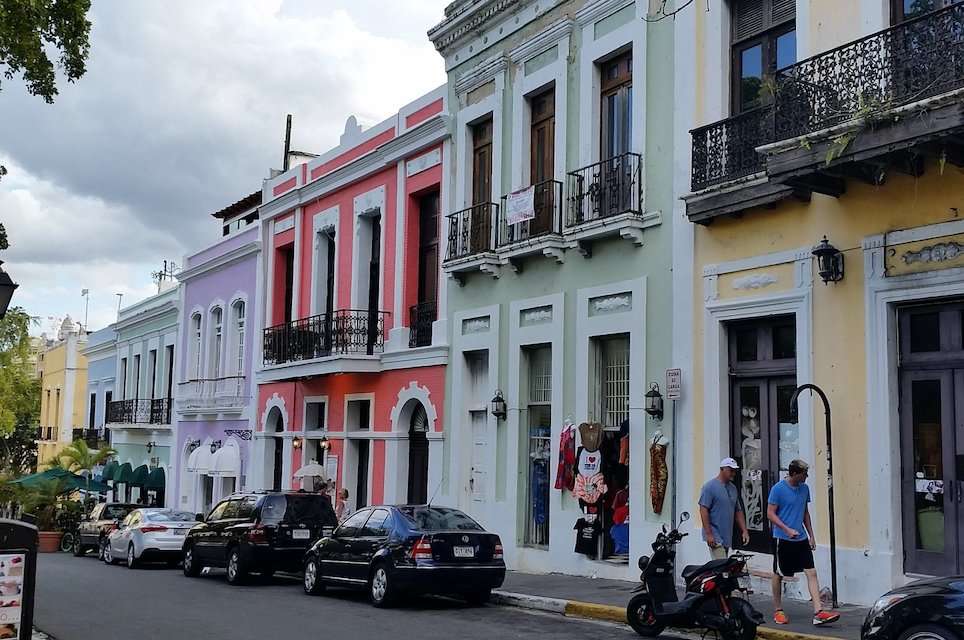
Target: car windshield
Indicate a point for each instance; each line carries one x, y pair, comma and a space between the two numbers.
292, 508
439, 519
116, 512
169, 516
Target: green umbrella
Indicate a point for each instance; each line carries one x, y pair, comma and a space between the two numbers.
36, 479
123, 473
139, 476
109, 469
156, 480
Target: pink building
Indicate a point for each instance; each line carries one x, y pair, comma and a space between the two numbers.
351, 365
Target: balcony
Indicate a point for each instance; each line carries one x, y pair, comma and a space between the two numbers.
606, 198
539, 235
344, 332
140, 411
46, 434
880, 104
470, 243
420, 319
93, 437
218, 395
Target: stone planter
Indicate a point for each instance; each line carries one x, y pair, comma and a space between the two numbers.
50, 541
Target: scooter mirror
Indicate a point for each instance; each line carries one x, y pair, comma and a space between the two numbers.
665, 530
683, 517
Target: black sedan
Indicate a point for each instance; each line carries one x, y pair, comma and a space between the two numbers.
395, 550
930, 609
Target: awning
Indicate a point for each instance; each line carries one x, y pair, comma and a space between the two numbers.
139, 476
63, 479
109, 469
226, 461
200, 459
156, 480
123, 473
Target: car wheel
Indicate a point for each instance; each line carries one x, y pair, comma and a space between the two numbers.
131, 559
927, 632
107, 555
101, 545
478, 598
78, 547
237, 571
312, 582
189, 564
380, 587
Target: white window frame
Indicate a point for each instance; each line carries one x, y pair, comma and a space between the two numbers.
196, 346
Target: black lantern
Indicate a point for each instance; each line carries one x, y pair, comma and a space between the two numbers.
151, 446
498, 406
324, 444
297, 442
830, 263
654, 402
7, 287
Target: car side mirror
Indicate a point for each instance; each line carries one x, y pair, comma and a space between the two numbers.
199, 517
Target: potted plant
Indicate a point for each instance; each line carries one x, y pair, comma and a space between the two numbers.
40, 504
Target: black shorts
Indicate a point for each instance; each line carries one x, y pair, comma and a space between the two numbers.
791, 557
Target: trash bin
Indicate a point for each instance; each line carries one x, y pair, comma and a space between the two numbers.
18, 577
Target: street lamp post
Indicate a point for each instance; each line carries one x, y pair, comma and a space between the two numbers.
833, 534
7, 287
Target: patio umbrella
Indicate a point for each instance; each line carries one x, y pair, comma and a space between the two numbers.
36, 479
139, 475
313, 470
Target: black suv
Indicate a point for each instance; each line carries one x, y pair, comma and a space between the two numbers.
258, 533
93, 530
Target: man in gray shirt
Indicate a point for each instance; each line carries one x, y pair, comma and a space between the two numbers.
719, 506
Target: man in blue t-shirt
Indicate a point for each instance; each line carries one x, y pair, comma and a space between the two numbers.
719, 507
794, 542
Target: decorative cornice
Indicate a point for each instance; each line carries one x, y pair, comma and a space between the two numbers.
220, 261
464, 19
542, 41
147, 315
481, 74
600, 9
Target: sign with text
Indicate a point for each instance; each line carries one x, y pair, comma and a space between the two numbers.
674, 384
519, 206
18, 576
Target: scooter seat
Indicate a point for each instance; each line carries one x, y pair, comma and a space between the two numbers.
693, 570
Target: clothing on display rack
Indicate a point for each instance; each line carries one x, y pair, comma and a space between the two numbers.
658, 473
587, 536
591, 435
565, 476
590, 489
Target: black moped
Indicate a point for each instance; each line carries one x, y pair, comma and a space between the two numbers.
708, 601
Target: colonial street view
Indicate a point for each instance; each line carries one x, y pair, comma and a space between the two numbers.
580, 317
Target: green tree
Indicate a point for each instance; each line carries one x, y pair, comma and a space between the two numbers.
81, 459
19, 394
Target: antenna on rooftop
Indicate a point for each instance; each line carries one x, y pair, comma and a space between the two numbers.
286, 164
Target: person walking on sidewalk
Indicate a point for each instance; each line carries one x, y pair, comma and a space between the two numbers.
719, 506
794, 542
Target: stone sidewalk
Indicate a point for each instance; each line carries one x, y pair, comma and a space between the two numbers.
606, 600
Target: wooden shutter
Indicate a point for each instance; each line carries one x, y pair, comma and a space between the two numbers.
753, 17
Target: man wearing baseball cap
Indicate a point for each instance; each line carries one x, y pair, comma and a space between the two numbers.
719, 507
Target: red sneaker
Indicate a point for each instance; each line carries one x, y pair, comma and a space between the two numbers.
825, 617
779, 617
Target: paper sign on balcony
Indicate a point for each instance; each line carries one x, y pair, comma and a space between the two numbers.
519, 206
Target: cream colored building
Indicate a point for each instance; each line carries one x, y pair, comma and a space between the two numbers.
63, 383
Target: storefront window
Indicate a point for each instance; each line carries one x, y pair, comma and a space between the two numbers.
539, 448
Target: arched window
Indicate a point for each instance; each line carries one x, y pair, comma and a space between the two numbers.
195, 347
217, 331
239, 336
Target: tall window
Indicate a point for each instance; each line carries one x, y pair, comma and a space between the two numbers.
611, 383
123, 379
92, 416
136, 389
542, 136
616, 129
288, 255
482, 162
152, 371
903, 10
217, 329
538, 444
764, 41
196, 346
239, 336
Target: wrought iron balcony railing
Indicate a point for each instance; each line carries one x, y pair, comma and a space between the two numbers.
93, 437
912, 61
140, 411
347, 331
726, 150
605, 189
547, 218
213, 393
420, 319
470, 231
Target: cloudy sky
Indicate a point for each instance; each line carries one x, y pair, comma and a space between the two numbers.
182, 112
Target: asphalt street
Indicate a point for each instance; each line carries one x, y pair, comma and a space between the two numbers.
83, 599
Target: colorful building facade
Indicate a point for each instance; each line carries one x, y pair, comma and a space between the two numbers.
559, 257
63, 381
214, 399
350, 369
101, 354
811, 121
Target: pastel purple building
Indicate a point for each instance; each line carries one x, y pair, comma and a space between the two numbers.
214, 419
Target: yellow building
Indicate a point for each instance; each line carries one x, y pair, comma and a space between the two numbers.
822, 118
63, 383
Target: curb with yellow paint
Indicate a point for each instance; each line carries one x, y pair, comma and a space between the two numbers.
610, 613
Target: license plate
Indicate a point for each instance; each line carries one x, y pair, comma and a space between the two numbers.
300, 534
463, 552
180, 532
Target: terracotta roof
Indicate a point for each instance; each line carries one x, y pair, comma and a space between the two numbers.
244, 204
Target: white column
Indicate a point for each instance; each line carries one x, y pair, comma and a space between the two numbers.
398, 336
296, 278
286, 470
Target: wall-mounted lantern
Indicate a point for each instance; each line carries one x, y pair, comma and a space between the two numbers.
297, 442
498, 406
151, 446
654, 402
7, 287
324, 444
830, 261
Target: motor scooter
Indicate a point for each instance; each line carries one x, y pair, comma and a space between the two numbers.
708, 601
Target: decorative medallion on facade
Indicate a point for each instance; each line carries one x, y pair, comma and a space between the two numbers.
619, 303
536, 315
755, 281
475, 325
941, 252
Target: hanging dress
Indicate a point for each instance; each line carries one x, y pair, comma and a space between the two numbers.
565, 472
658, 473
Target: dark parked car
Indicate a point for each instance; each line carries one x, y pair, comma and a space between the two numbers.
93, 530
408, 549
258, 533
931, 609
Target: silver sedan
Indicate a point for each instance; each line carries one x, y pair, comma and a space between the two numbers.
149, 534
